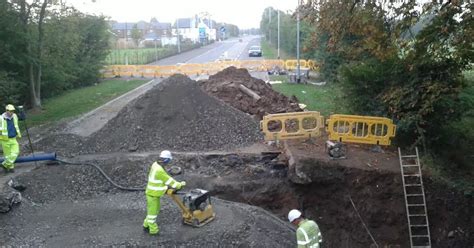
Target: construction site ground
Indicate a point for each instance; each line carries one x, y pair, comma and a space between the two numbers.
220, 149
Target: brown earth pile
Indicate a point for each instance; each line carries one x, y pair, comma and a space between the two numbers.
225, 86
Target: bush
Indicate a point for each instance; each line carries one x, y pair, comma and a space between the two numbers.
11, 90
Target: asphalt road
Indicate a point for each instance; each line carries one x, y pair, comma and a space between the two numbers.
231, 49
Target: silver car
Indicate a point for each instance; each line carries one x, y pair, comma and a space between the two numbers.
255, 51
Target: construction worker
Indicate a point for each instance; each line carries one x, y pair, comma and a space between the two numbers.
308, 233
9, 132
158, 182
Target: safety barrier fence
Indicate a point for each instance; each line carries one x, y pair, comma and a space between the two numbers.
361, 129
292, 125
343, 128
199, 69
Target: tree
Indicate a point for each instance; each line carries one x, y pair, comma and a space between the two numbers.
46, 51
13, 55
136, 35
390, 69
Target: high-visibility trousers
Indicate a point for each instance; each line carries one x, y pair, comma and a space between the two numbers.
11, 149
152, 211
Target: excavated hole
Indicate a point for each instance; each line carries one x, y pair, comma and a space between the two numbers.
259, 180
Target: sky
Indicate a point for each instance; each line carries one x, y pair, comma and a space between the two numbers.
243, 13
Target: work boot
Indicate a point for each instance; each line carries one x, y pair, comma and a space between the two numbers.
153, 229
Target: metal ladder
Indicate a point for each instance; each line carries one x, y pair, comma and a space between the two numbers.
415, 201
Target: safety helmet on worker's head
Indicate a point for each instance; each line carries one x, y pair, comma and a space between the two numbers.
293, 215
10, 107
165, 155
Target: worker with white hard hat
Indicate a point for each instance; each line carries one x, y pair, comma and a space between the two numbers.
9, 132
158, 182
308, 233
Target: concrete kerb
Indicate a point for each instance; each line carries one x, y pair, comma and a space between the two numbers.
117, 104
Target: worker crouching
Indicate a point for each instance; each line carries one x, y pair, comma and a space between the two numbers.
9, 133
158, 182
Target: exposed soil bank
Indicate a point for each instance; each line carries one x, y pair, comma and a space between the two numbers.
255, 180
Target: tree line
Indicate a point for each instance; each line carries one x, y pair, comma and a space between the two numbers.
403, 60
47, 48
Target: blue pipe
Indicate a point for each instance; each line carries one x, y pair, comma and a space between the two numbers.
34, 157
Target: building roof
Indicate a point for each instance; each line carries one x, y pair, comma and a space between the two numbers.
184, 22
212, 24
129, 25
161, 25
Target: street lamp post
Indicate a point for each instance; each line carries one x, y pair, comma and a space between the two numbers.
177, 35
278, 35
270, 25
298, 80
156, 52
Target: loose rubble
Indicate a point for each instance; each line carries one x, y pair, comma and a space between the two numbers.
226, 85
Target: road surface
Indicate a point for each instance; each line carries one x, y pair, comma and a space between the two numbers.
231, 49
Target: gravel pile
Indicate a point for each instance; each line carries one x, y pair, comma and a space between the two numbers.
176, 115
225, 86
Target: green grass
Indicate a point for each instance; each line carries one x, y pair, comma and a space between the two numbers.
270, 51
467, 95
76, 102
325, 99
138, 56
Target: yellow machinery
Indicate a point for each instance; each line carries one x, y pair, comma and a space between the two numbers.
195, 205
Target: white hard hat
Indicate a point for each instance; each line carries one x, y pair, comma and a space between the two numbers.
166, 154
293, 215
10, 107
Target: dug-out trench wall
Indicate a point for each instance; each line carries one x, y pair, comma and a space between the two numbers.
262, 180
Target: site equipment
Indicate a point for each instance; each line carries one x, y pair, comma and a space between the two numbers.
34, 157
336, 150
415, 201
195, 205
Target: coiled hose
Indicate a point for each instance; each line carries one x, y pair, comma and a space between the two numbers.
104, 175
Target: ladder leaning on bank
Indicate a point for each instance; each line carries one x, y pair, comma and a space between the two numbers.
415, 201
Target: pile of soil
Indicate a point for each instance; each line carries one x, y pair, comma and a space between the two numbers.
225, 86
176, 114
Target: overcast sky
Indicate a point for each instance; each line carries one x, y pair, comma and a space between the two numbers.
243, 13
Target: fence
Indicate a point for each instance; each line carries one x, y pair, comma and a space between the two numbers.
198, 69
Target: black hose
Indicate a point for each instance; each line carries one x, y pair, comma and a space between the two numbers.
105, 176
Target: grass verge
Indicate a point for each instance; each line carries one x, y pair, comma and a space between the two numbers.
139, 56
80, 101
326, 99
270, 52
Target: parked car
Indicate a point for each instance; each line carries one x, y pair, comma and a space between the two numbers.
255, 51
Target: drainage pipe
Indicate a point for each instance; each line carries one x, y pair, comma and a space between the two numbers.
52, 157
34, 157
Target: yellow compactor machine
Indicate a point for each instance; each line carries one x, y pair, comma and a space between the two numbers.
195, 205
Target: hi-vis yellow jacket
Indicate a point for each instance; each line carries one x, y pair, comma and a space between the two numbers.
4, 126
159, 181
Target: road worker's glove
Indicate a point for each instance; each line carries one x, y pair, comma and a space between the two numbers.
181, 184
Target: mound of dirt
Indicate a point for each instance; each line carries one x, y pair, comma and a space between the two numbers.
176, 115
225, 85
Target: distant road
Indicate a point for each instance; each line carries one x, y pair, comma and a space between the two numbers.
231, 49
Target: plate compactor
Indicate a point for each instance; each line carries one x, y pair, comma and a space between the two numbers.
195, 205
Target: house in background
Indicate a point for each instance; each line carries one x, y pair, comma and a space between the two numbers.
124, 29
194, 29
158, 32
